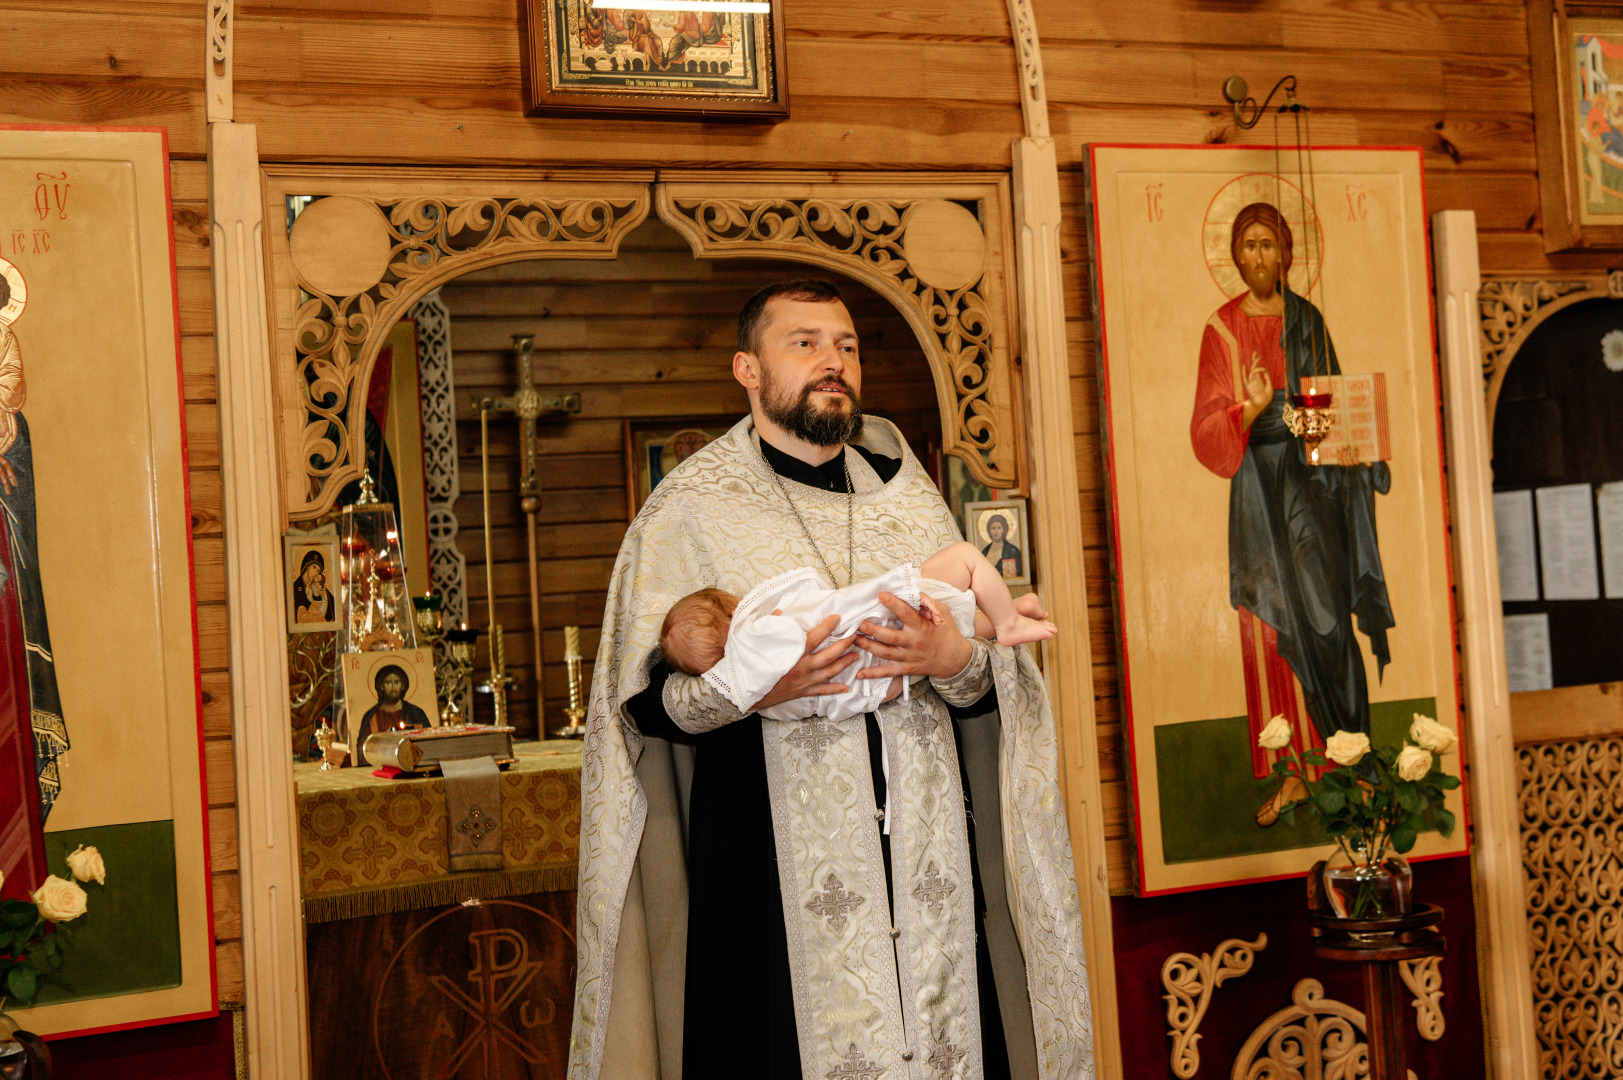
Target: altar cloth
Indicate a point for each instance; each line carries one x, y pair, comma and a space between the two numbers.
370, 846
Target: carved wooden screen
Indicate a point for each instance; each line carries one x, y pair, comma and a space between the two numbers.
364, 249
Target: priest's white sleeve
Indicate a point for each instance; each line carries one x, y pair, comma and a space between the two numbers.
972, 683
695, 706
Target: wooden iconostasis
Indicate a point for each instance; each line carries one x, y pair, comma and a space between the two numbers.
648, 336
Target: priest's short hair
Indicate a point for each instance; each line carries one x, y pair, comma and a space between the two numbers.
805, 290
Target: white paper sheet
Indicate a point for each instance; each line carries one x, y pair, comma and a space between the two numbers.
1518, 557
1566, 542
1609, 501
1527, 652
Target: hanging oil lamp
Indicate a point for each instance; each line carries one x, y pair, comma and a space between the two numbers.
1309, 417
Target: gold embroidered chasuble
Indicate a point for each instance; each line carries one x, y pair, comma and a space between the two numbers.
879, 995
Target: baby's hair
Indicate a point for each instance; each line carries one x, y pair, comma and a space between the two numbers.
694, 634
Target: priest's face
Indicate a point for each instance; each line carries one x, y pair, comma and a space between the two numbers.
1258, 257
809, 377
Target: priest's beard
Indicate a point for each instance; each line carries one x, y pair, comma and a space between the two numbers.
820, 425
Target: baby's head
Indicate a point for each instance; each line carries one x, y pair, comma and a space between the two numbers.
694, 635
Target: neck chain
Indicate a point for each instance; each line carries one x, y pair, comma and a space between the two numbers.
850, 524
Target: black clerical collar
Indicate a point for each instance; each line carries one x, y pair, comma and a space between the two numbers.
830, 475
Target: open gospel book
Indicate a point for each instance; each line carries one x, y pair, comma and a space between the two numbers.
1359, 404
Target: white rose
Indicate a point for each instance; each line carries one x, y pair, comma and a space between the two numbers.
59, 900
1276, 735
1428, 733
1413, 763
1346, 747
85, 862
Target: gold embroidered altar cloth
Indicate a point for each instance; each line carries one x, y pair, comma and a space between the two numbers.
369, 845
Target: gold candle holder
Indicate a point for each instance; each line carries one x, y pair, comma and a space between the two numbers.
498, 682
576, 712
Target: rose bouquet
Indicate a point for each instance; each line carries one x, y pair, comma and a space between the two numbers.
33, 931
1374, 806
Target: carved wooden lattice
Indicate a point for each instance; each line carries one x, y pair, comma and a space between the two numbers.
336, 338
867, 238
1572, 851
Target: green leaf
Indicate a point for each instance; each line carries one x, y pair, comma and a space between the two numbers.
1403, 839
1410, 798
1331, 802
55, 960
1288, 815
49, 945
1448, 782
21, 982
1336, 828
1445, 821
24, 917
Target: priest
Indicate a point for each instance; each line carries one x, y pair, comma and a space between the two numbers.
814, 899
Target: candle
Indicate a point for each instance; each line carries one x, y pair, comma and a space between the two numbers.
571, 643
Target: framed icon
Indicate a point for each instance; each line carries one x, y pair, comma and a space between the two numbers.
1002, 532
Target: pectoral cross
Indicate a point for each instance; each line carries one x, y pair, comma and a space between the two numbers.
528, 404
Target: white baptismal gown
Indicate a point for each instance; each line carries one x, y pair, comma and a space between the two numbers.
762, 647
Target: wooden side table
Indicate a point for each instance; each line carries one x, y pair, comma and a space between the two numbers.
1379, 945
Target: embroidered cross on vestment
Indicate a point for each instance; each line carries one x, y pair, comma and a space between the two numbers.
932, 889
834, 903
478, 825
855, 1066
815, 736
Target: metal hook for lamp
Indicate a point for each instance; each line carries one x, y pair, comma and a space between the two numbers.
1236, 93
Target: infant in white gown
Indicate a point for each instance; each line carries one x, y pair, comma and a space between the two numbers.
745, 647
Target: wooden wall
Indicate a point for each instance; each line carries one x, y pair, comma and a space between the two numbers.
912, 84
114, 62
649, 335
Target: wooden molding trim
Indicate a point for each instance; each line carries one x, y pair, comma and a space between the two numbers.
217, 64
913, 242
1494, 793
1567, 712
251, 512
1056, 518
1028, 51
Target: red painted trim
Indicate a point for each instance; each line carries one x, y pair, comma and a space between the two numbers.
1106, 424
191, 580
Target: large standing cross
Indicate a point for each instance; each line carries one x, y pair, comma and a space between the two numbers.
528, 404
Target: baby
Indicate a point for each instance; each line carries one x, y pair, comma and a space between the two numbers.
743, 647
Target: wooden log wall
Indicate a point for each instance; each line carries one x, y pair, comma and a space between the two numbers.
113, 62
911, 84
649, 335
897, 84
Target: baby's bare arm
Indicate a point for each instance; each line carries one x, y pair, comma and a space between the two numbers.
962, 566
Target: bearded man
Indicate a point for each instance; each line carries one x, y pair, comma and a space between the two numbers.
1304, 562
392, 711
799, 900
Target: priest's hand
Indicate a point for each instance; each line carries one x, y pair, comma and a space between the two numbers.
919, 646
820, 663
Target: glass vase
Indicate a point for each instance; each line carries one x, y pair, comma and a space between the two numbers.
1357, 887
23, 1056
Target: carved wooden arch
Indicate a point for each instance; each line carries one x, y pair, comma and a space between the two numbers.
915, 242
338, 289
1512, 310
385, 241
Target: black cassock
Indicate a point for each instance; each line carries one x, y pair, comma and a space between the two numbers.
740, 1014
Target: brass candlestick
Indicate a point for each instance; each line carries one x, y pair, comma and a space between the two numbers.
324, 740
459, 673
498, 682
576, 712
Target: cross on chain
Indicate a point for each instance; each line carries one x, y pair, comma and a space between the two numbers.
834, 903
932, 889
